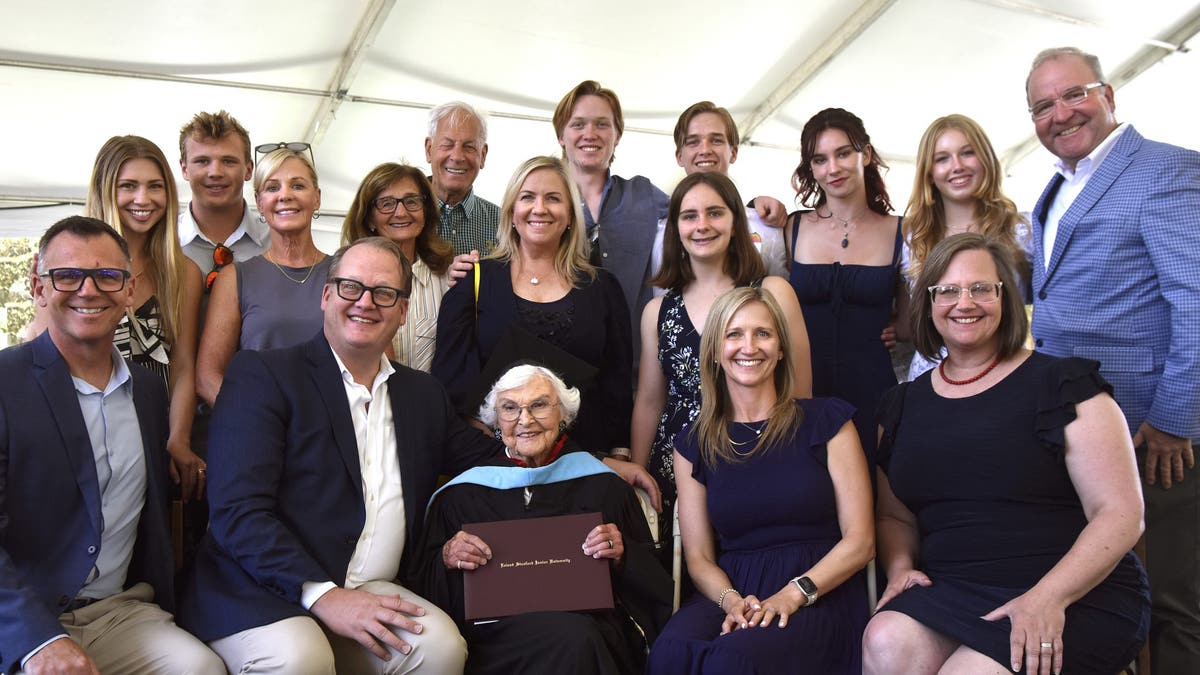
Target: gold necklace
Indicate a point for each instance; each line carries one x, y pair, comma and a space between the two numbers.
290, 277
757, 436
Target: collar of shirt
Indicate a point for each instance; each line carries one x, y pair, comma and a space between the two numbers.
189, 231
1085, 167
468, 203
119, 376
385, 371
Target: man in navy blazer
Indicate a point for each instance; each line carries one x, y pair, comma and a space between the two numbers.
85, 561
1116, 278
321, 461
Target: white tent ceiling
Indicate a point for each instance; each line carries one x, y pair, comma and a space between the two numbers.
356, 77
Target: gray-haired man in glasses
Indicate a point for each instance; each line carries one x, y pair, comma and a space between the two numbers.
1116, 278
85, 559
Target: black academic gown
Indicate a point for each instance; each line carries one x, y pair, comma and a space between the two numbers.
609, 641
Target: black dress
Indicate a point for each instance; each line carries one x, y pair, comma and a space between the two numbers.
590, 323
846, 308
986, 478
608, 642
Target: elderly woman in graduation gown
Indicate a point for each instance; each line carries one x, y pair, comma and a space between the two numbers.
543, 473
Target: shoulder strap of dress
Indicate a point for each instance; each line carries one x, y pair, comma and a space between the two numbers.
757, 283
795, 230
899, 240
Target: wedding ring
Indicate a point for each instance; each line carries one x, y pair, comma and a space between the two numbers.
610, 544
1047, 645
459, 563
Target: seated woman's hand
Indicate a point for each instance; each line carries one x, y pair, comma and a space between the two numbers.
898, 583
604, 541
1037, 629
783, 604
739, 612
465, 552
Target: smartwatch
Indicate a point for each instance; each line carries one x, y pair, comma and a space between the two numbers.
807, 588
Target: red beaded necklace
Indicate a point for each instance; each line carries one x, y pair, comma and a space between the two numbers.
969, 380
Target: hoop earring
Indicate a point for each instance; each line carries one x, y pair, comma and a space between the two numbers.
316, 215
262, 218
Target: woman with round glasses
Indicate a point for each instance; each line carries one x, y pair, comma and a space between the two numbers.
845, 263
396, 201
544, 472
956, 190
132, 189
1008, 493
272, 300
536, 297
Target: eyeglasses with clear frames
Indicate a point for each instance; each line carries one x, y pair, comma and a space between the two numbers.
510, 411
412, 204
1071, 98
351, 290
982, 292
71, 279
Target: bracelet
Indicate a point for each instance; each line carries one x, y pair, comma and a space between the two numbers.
721, 599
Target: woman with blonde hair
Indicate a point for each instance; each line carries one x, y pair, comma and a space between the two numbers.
396, 201
132, 189
272, 300
956, 190
536, 297
775, 510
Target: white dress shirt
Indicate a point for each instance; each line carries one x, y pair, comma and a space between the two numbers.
1073, 184
377, 554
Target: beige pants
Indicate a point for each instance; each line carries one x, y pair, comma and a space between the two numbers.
300, 646
127, 633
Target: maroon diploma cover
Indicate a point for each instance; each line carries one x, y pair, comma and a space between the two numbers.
537, 565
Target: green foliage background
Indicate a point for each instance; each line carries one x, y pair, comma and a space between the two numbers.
16, 255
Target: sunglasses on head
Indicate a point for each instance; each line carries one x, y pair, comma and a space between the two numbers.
294, 146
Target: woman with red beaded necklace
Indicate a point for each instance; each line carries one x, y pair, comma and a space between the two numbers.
1008, 495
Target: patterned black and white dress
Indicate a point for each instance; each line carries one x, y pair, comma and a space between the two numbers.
678, 356
141, 340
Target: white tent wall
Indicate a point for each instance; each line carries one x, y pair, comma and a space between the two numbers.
356, 78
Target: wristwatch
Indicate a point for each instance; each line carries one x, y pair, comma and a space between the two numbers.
807, 588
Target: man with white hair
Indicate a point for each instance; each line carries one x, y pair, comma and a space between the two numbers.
456, 149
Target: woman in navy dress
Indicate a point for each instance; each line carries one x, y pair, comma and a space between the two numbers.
1008, 494
707, 250
780, 486
845, 263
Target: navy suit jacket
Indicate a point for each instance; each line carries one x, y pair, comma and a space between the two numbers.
50, 520
1123, 283
285, 486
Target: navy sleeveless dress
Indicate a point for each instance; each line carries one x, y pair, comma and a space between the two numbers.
846, 307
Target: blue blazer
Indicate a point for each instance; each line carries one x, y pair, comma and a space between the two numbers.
1123, 283
50, 520
285, 486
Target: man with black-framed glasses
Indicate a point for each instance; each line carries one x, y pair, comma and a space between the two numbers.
86, 576
322, 459
1116, 278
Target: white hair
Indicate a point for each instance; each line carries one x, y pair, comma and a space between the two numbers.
458, 110
519, 376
